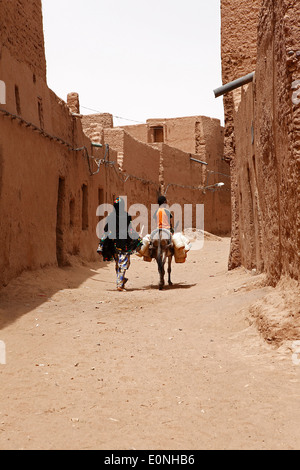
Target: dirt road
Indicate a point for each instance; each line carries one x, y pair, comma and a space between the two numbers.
92, 368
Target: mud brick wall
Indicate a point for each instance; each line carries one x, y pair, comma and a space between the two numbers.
277, 126
48, 199
203, 138
21, 32
238, 49
266, 121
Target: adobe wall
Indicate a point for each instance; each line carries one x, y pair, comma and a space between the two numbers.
138, 166
94, 125
138, 132
239, 21
266, 125
189, 134
167, 170
48, 199
206, 138
21, 33
140, 160
277, 135
203, 138
44, 217
248, 192
238, 49
179, 133
136, 161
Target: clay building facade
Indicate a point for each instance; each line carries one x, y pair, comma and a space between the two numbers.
48, 198
182, 142
52, 179
182, 155
262, 134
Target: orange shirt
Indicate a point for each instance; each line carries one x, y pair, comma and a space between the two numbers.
163, 218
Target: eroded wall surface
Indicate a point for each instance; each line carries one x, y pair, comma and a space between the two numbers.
238, 48
21, 33
265, 119
277, 113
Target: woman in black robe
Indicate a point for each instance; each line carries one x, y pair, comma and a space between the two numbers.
120, 241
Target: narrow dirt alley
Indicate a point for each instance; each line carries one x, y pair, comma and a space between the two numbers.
92, 368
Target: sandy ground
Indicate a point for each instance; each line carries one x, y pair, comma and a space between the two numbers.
92, 368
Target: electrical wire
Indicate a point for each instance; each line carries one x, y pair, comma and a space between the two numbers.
117, 117
218, 173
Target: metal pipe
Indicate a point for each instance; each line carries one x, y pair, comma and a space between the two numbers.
234, 85
94, 144
198, 161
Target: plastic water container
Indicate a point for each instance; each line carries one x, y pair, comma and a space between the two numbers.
182, 246
178, 241
144, 251
180, 255
187, 243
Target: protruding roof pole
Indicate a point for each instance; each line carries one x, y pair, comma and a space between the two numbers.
233, 85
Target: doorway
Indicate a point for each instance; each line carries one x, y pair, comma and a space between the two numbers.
59, 222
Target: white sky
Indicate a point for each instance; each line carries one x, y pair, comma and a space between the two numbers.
136, 59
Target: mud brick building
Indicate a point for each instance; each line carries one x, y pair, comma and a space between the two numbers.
262, 134
262, 144
51, 179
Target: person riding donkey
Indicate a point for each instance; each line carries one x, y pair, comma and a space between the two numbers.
161, 246
163, 216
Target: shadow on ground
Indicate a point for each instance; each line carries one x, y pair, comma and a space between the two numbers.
34, 288
155, 287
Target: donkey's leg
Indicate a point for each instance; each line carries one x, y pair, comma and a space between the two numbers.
160, 262
161, 270
170, 270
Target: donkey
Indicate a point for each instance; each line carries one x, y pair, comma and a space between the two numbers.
162, 249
